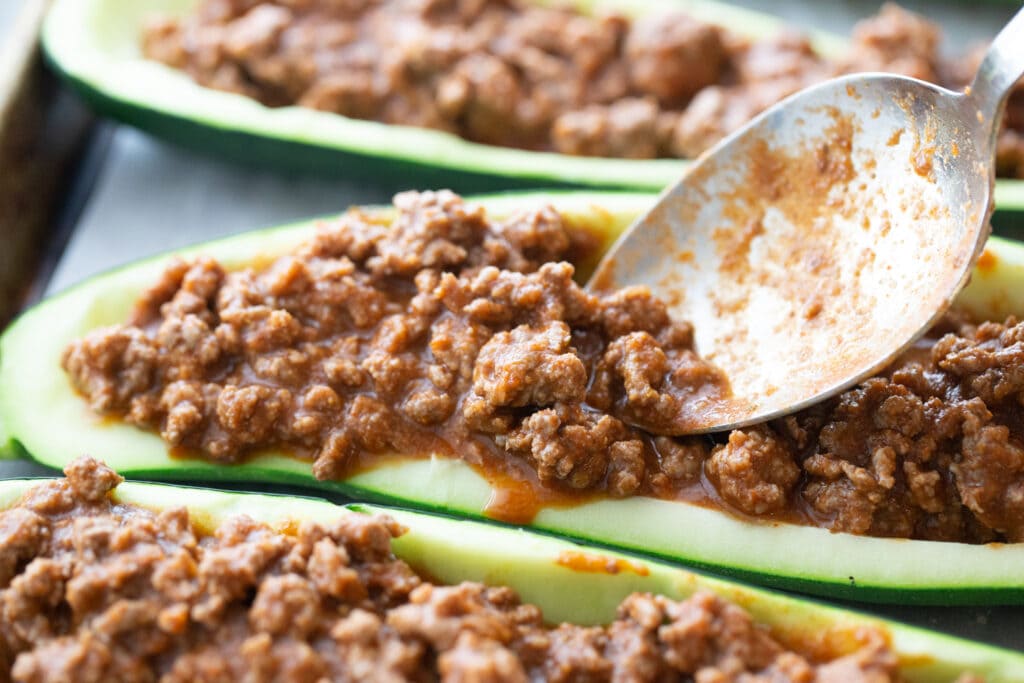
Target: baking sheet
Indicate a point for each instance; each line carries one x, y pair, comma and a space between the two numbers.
42, 132
152, 197
148, 197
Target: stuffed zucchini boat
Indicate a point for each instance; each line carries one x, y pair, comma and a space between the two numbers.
305, 588
103, 61
95, 44
45, 418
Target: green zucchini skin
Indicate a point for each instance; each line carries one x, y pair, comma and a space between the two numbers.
290, 156
451, 551
93, 45
42, 418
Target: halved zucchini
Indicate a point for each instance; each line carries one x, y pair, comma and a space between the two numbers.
95, 45
549, 573
45, 419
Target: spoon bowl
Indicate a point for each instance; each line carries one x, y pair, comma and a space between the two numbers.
813, 246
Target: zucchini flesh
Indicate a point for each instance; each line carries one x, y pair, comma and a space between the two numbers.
94, 44
46, 420
451, 551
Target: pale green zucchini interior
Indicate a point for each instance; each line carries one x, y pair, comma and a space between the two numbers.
43, 416
450, 551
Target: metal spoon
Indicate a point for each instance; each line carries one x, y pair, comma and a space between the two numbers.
813, 246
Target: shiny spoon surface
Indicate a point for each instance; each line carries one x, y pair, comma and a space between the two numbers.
813, 246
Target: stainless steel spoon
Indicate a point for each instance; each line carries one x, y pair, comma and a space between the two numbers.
813, 246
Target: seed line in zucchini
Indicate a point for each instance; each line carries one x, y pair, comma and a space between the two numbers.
35, 394
323, 579
95, 45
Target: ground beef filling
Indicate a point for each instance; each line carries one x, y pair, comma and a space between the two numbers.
92, 590
509, 73
444, 332
933, 448
439, 332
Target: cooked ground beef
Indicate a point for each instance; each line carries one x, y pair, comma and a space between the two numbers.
933, 448
445, 332
439, 332
506, 72
92, 590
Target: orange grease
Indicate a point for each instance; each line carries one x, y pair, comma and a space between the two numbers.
598, 564
987, 261
288, 527
833, 641
923, 162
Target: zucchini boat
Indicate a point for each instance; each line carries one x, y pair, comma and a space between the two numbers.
94, 45
45, 419
573, 583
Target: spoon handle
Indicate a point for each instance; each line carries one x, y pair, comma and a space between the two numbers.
1002, 66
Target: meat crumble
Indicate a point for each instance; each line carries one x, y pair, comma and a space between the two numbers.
511, 73
444, 332
441, 331
95, 590
932, 448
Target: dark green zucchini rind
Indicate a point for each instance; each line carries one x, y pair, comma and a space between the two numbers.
293, 156
46, 420
94, 44
450, 551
